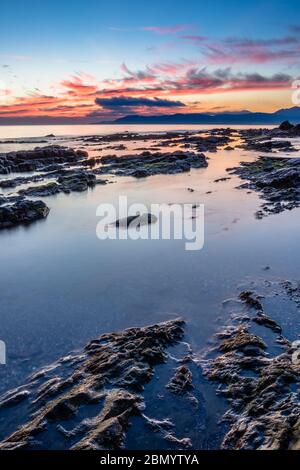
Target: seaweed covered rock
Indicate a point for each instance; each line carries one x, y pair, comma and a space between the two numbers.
276, 179
262, 389
148, 164
31, 160
94, 393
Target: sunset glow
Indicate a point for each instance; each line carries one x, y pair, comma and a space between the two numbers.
166, 67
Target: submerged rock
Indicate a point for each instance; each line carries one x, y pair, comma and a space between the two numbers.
136, 221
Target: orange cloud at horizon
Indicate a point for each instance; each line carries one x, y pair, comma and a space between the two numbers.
159, 89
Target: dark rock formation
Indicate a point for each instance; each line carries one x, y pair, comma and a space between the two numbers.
182, 380
31, 160
276, 179
136, 220
97, 393
22, 213
262, 390
286, 126
148, 164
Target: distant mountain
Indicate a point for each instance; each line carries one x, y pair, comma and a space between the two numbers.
242, 117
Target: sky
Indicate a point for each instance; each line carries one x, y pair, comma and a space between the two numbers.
95, 61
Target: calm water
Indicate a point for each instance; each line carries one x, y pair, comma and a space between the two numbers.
12, 132
61, 286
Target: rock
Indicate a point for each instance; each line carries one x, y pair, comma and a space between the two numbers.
240, 339
12, 399
31, 160
136, 221
286, 126
263, 406
247, 298
266, 321
77, 181
96, 376
182, 380
184, 442
219, 180
278, 181
44, 190
153, 163
22, 212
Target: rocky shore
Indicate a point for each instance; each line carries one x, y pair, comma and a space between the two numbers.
97, 390
277, 180
53, 169
93, 399
260, 384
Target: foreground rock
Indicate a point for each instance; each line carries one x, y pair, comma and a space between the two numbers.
22, 213
96, 391
276, 179
261, 388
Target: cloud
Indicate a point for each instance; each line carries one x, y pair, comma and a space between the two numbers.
128, 102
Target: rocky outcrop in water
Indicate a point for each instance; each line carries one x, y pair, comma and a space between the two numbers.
261, 387
276, 179
22, 212
37, 159
148, 164
86, 401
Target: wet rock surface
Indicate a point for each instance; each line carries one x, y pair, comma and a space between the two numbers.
114, 389
87, 400
277, 180
260, 384
136, 221
37, 159
22, 213
148, 164
182, 380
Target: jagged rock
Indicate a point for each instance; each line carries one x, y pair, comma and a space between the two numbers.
240, 340
262, 319
153, 163
98, 376
278, 181
22, 212
78, 181
264, 405
31, 160
182, 380
44, 190
247, 297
